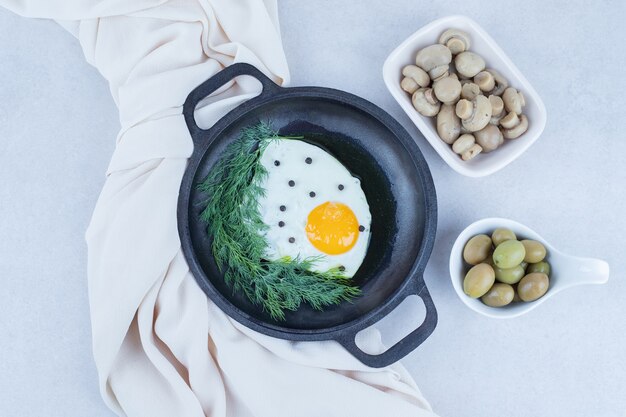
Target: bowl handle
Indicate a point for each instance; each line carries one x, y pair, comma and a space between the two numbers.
215, 82
404, 346
585, 270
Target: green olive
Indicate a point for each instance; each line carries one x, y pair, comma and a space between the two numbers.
477, 249
524, 265
500, 235
535, 251
533, 286
510, 275
499, 295
509, 254
516, 298
543, 267
478, 280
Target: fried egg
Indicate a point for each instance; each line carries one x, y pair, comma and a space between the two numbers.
313, 207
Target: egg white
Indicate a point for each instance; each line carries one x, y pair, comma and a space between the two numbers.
322, 176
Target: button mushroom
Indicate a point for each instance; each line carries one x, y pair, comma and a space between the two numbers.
500, 82
463, 143
414, 78
497, 109
513, 100
456, 40
434, 59
474, 114
471, 152
485, 81
447, 90
475, 107
448, 124
509, 121
513, 126
489, 138
440, 72
468, 64
425, 102
409, 85
469, 91
466, 147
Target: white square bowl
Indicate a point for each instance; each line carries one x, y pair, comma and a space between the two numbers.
482, 44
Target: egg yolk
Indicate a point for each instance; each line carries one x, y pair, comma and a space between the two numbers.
332, 228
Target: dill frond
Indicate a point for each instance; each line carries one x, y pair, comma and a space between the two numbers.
233, 220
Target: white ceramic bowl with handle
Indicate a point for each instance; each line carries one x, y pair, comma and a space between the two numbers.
566, 271
482, 44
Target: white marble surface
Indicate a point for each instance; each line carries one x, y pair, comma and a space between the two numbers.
566, 358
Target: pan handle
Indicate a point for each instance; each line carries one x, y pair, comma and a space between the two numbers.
215, 82
404, 346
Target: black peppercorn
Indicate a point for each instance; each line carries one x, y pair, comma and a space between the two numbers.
283, 208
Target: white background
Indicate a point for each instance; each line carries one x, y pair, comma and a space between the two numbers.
567, 358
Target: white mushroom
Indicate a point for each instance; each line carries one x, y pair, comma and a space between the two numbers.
513, 100
447, 90
434, 59
457, 95
468, 64
471, 152
467, 147
485, 81
409, 85
463, 143
456, 40
500, 82
513, 126
469, 91
425, 102
497, 109
414, 78
474, 114
448, 124
489, 138
509, 121
440, 72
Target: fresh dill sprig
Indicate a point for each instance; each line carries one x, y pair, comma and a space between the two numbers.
234, 221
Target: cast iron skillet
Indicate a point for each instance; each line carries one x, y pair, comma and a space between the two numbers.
396, 181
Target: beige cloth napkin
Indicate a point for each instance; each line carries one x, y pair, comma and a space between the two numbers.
161, 348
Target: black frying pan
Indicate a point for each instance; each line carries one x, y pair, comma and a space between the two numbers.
396, 181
